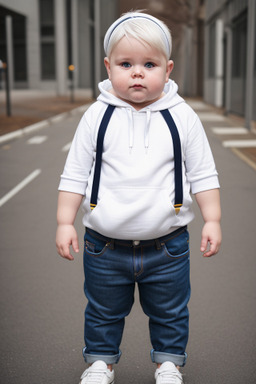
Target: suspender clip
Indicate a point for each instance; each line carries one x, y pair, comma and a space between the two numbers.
177, 208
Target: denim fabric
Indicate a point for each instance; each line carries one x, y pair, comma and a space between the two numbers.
161, 269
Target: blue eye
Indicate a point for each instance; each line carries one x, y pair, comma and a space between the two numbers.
149, 65
126, 64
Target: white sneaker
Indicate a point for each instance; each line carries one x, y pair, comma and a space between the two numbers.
97, 373
168, 374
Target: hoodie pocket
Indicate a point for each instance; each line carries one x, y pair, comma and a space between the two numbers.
133, 213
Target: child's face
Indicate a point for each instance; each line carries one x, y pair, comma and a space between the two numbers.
138, 72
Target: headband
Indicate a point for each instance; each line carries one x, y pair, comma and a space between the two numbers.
137, 15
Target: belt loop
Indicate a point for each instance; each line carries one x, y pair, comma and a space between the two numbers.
111, 244
158, 244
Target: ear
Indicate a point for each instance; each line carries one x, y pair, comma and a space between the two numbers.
169, 68
107, 65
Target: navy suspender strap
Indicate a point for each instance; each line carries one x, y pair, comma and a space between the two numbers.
99, 149
177, 159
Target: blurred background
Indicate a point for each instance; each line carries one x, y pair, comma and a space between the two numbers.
51, 60
58, 44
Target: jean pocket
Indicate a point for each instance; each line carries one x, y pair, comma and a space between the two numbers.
177, 247
94, 247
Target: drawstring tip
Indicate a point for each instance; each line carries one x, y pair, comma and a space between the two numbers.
92, 206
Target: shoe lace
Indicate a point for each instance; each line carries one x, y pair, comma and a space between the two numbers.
168, 377
94, 376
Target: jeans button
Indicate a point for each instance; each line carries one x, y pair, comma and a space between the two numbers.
136, 242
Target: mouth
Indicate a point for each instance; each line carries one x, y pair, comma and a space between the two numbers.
137, 86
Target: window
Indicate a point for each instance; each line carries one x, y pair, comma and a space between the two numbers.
19, 42
19, 39
239, 59
239, 47
212, 49
46, 17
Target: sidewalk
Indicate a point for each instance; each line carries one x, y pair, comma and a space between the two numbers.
29, 107
230, 130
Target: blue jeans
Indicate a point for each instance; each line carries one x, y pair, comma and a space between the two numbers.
161, 269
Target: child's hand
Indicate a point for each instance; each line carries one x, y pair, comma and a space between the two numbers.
211, 234
65, 237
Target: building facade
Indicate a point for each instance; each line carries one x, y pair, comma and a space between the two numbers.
40, 39
230, 57
213, 46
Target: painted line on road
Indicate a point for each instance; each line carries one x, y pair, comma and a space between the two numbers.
20, 186
66, 147
239, 143
230, 130
211, 117
42, 124
244, 158
58, 118
197, 104
37, 140
35, 127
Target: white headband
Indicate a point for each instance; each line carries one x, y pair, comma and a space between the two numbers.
136, 15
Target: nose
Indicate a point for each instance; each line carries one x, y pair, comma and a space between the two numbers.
138, 72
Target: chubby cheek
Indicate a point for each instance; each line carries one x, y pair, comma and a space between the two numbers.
119, 82
157, 86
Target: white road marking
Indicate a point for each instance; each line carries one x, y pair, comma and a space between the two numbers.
197, 104
58, 118
66, 147
230, 130
211, 117
20, 186
239, 143
37, 140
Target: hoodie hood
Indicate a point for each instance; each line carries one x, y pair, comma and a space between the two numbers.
169, 100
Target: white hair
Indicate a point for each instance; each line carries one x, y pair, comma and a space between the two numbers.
141, 26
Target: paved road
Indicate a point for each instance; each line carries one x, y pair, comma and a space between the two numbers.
42, 300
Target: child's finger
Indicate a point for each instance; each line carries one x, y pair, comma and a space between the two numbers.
65, 252
75, 245
212, 251
204, 243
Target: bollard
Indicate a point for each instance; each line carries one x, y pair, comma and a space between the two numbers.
4, 67
71, 69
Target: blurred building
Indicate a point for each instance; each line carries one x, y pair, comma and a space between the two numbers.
213, 46
40, 39
44, 37
230, 56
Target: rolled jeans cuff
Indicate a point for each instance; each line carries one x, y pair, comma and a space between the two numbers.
108, 359
162, 357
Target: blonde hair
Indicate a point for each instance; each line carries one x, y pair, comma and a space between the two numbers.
143, 27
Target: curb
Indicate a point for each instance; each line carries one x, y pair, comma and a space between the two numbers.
42, 124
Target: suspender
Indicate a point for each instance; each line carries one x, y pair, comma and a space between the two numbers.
99, 149
177, 160
177, 157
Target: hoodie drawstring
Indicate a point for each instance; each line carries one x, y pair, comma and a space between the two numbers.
131, 128
146, 135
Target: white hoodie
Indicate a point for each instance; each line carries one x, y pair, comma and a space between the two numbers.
136, 193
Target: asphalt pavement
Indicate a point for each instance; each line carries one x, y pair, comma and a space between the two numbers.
42, 301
